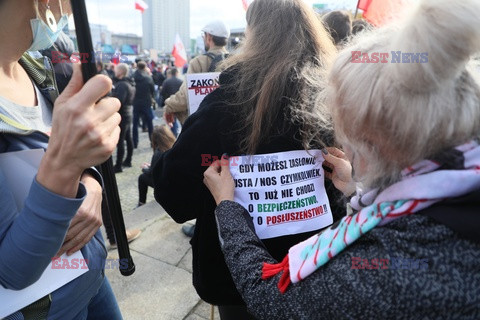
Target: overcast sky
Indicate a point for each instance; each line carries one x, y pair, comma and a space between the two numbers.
121, 17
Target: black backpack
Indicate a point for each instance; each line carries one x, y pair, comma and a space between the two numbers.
216, 59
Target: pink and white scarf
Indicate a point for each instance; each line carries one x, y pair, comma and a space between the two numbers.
421, 186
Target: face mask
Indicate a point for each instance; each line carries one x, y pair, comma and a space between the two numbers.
43, 36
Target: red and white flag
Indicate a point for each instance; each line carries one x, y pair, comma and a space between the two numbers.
246, 3
380, 12
141, 5
179, 52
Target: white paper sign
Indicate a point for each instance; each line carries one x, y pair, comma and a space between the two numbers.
283, 192
199, 85
51, 280
19, 169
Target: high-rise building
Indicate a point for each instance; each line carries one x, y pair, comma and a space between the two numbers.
162, 21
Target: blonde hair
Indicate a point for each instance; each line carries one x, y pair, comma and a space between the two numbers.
396, 114
162, 138
123, 68
282, 61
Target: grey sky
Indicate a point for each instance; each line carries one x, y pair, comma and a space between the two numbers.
121, 17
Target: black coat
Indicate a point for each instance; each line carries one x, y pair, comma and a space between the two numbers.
145, 89
124, 90
211, 131
170, 86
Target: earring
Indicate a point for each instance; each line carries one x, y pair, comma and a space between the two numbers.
51, 22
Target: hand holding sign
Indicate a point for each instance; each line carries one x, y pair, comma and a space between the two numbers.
219, 181
341, 174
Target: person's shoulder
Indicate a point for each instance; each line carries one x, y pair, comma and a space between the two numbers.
197, 59
120, 84
168, 81
178, 81
198, 64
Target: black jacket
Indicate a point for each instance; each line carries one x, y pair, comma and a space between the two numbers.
156, 156
158, 78
212, 131
145, 89
430, 269
170, 86
124, 90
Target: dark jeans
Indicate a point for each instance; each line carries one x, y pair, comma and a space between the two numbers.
125, 136
234, 313
146, 115
102, 306
145, 180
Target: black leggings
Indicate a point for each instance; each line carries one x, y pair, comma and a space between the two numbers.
125, 136
144, 181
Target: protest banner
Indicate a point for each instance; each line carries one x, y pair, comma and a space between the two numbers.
199, 85
283, 192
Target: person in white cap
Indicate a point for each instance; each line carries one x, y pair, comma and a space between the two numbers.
215, 36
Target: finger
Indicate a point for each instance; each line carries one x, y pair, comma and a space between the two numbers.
336, 152
332, 160
216, 166
225, 168
328, 165
73, 231
81, 245
328, 175
111, 142
207, 175
79, 239
106, 107
107, 126
93, 90
75, 84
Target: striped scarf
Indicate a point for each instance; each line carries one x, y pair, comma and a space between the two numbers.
457, 173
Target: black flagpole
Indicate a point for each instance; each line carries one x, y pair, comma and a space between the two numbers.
356, 10
110, 203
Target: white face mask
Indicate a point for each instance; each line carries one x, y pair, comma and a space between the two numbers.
43, 36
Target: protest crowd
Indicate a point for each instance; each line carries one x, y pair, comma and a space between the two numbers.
329, 164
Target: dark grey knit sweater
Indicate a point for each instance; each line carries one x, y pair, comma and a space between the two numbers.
434, 273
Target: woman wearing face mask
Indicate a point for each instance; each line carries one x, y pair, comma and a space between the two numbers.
410, 249
62, 210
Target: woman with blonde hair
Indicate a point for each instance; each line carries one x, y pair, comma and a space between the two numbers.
268, 101
411, 130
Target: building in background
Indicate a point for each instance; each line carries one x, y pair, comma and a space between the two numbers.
127, 43
100, 35
162, 21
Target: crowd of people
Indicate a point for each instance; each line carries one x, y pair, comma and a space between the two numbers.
398, 140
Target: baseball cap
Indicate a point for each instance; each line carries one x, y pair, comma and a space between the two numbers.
217, 28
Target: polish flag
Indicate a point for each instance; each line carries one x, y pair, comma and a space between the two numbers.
364, 4
380, 12
246, 3
141, 5
179, 52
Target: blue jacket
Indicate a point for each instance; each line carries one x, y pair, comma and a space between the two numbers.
30, 237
